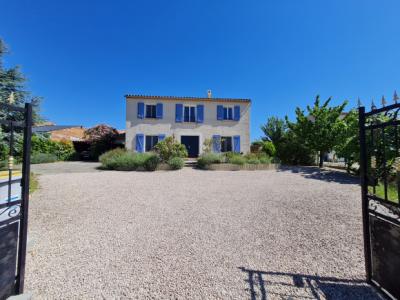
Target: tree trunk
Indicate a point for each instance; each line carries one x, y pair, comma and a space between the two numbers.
321, 159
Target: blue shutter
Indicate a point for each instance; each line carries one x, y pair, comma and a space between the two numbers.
161, 137
159, 111
236, 143
178, 112
236, 114
220, 112
216, 143
200, 113
140, 143
140, 110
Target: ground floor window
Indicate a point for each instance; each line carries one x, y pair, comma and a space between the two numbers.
226, 144
151, 141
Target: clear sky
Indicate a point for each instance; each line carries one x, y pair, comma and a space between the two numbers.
84, 56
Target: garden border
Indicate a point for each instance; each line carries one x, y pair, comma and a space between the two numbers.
245, 167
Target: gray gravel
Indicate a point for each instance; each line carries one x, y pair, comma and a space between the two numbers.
63, 167
193, 234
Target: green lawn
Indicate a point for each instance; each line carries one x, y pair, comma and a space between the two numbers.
380, 191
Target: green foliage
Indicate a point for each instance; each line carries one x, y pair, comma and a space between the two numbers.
123, 160
237, 159
169, 148
292, 151
13, 82
207, 159
349, 147
289, 148
274, 130
253, 161
176, 163
320, 128
269, 148
3, 165
41, 158
63, 150
151, 162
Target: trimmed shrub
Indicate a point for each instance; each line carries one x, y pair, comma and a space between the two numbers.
169, 148
176, 163
265, 160
108, 159
63, 150
253, 161
122, 160
237, 160
207, 159
41, 158
151, 162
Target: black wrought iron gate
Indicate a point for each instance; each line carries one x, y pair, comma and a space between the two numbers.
380, 182
15, 131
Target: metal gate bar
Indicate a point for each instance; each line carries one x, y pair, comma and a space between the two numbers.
379, 157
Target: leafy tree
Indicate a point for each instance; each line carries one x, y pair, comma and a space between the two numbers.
320, 128
274, 130
289, 148
12, 84
349, 145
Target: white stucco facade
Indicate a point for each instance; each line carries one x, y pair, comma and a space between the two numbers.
168, 126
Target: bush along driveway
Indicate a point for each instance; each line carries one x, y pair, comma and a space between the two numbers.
192, 234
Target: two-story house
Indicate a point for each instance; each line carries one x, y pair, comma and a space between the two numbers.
191, 120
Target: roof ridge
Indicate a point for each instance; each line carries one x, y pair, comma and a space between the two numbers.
184, 97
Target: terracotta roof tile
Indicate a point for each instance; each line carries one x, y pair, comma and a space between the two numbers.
186, 98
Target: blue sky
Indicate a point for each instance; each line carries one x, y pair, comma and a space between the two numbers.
84, 56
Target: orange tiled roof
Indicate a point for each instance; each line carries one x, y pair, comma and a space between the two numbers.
186, 98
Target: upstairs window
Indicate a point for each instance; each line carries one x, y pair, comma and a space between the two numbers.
189, 114
151, 111
151, 141
228, 113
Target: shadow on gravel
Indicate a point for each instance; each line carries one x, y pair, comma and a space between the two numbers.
265, 285
324, 174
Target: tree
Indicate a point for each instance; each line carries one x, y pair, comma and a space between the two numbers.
320, 129
274, 130
12, 84
102, 138
349, 145
289, 148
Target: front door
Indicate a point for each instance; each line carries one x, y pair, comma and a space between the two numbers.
192, 144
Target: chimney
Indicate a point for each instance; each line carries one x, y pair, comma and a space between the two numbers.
209, 93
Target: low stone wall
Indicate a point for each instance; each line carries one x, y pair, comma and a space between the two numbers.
245, 167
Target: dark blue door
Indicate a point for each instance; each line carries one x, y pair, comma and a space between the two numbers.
192, 144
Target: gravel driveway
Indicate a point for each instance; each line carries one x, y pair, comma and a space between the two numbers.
190, 234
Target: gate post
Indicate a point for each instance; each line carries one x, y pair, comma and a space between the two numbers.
23, 228
364, 192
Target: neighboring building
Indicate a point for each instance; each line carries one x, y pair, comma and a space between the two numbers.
191, 120
61, 132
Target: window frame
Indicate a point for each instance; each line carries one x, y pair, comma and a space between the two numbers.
228, 109
154, 106
190, 107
